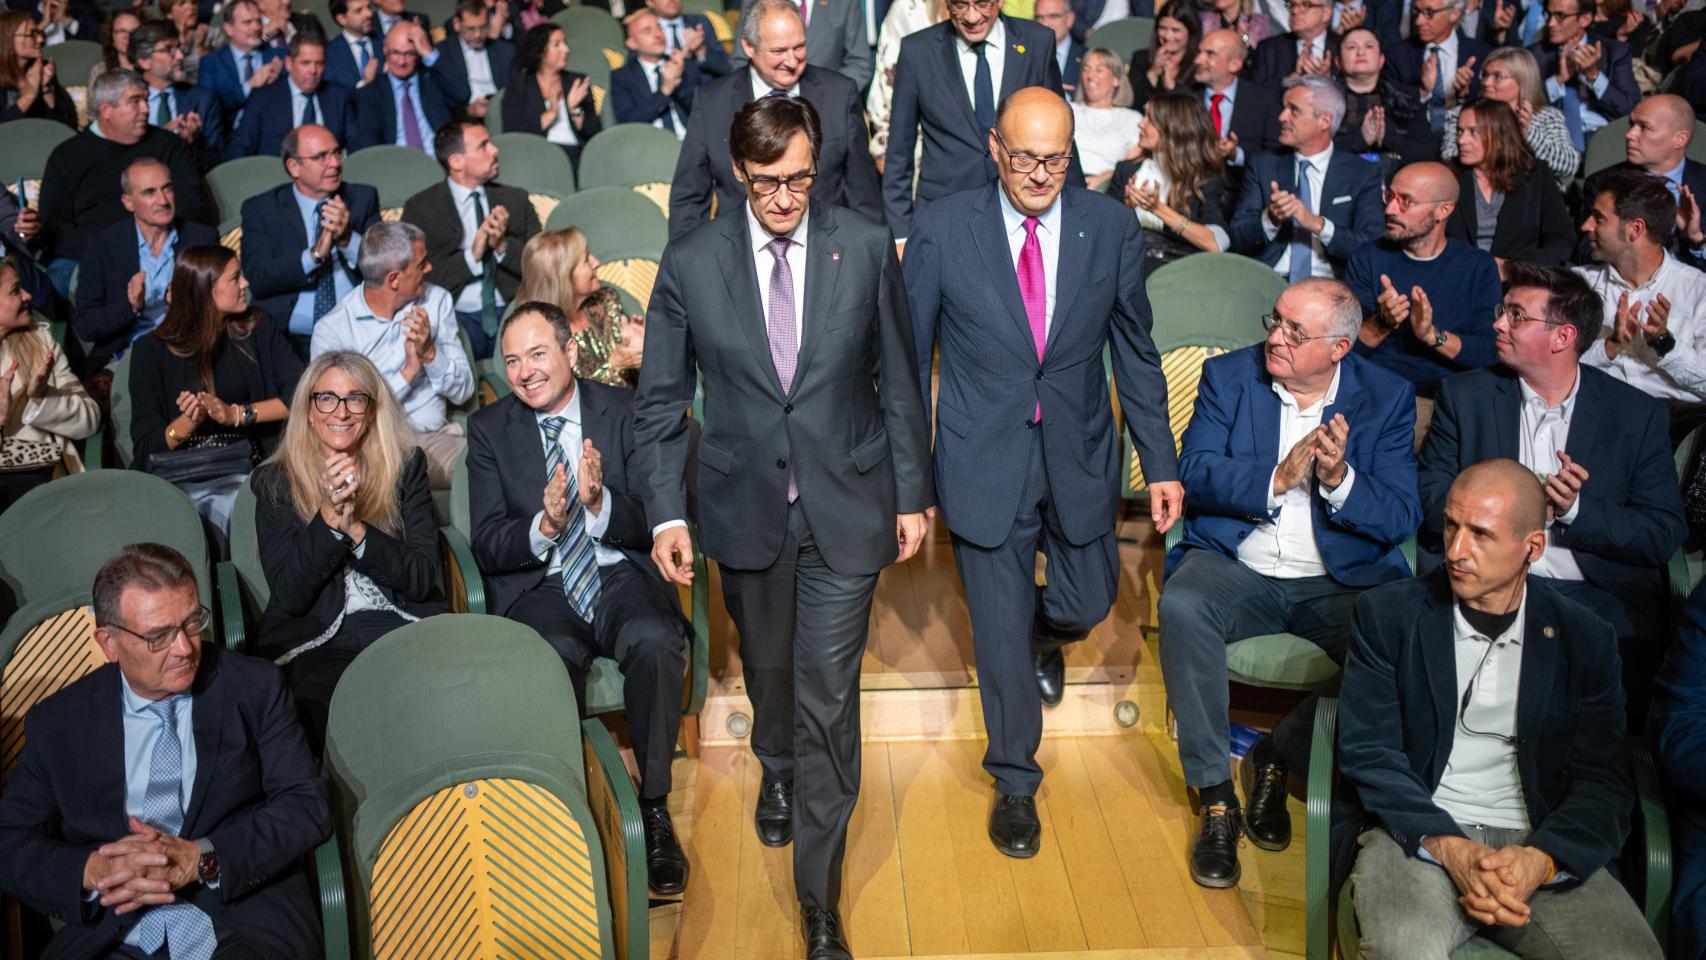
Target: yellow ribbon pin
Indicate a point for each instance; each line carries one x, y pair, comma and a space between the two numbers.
1019, 47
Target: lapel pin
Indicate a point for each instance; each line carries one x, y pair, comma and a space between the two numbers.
1547, 632
1080, 234
1018, 48
836, 257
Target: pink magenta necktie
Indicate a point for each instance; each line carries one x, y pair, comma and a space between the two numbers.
1034, 291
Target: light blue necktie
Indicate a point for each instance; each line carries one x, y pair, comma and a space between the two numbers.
580, 560
1532, 21
188, 931
365, 57
1573, 115
1302, 251
1436, 102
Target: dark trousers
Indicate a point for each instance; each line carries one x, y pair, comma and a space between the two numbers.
1639, 622
802, 634
1000, 584
16, 483
637, 622
1212, 600
313, 675
478, 339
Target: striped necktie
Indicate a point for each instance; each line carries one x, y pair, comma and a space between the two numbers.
188, 930
580, 560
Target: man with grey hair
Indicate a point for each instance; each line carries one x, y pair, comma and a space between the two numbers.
1302, 210
1300, 485
1438, 61
837, 36
80, 189
407, 327
775, 45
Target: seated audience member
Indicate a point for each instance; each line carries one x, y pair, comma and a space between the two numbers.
1428, 299
1661, 127
215, 371
107, 826
388, 13
121, 290
343, 515
62, 20
353, 57
190, 112
192, 33
80, 190
653, 87
28, 79
305, 97
1058, 16
1380, 118
693, 34
279, 25
543, 96
531, 13
1306, 48
1437, 61
564, 542
1246, 116
1177, 184
116, 29
905, 17
42, 406
471, 63
302, 239
243, 65
1104, 129
408, 102
475, 228
775, 43
1599, 445
1590, 79
1506, 205
1240, 18
1166, 66
407, 328
1654, 305
1281, 548
1492, 813
20, 233
1304, 210
1677, 728
558, 268
1510, 77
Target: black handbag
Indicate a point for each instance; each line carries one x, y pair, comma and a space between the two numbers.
221, 455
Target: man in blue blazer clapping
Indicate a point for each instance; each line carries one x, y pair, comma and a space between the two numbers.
303, 97
407, 103
243, 65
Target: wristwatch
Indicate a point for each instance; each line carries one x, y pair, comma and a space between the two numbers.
1439, 338
1663, 343
207, 868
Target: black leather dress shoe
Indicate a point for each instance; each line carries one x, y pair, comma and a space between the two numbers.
1051, 675
666, 863
824, 939
1014, 827
1266, 823
1214, 852
775, 814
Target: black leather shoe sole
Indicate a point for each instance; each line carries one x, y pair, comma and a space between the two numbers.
1254, 817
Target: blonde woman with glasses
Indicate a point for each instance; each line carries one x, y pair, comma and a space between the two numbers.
1512, 77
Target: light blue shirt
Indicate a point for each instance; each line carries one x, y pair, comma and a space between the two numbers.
299, 102
142, 730
1591, 120
156, 277
1673, 177
595, 524
154, 98
352, 325
1231, 96
343, 258
410, 88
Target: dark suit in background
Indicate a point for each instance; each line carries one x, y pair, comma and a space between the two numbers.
1534, 224
716, 62
274, 239
103, 316
1405, 59
452, 67
256, 796
220, 75
376, 109
1007, 488
271, 114
342, 67
799, 577
209, 145
524, 104
1254, 120
1678, 733
1350, 198
434, 211
1615, 64
636, 102
836, 39
1074, 68
1275, 58
846, 175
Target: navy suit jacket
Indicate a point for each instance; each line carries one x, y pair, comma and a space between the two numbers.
1404, 62
218, 74
452, 69
1630, 518
341, 66
1350, 199
1621, 93
634, 100
1276, 57
209, 147
930, 91
1398, 711
376, 110
717, 62
1678, 726
1075, 52
964, 294
1232, 443
270, 115
274, 238
257, 796
103, 316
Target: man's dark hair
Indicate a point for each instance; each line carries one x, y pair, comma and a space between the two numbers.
1569, 298
151, 34
305, 38
549, 312
338, 8
470, 7
1638, 195
147, 566
449, 140
763, 129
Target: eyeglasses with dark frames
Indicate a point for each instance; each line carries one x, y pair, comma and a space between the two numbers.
328, 402
799, 184
158, 640
1025, 163
961, 6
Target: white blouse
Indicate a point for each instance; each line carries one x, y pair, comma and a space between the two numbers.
1105, 135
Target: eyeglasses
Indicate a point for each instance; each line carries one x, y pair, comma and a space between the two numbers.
403, 54
961, 6
799, 184
327, 402
1404, 200
31, 34
1292, 333
1512, 315
1302, 5
1427, 13
324, 155
1025, 163
1563, 14
158, 640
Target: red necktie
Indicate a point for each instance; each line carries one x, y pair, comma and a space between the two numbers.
1214, 103
1033, 290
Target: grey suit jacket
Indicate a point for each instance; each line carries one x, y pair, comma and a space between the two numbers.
850, 426
835, 38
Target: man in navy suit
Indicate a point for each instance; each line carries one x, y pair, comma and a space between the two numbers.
190, 112
692, 34
407, 104
353, 57
303, 97
948, 81
1601, 445
655, 86
1246, 116
388, 13
1482, 730
1068, 53
165, 801
1025, 284
776, 45
242, 66
1308, 47
1591, 81
1660, 129
301, 239
1438, 61
472, 65
1302, 484
1308, 226
1678, 734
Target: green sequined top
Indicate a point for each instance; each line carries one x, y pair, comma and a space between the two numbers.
600, 338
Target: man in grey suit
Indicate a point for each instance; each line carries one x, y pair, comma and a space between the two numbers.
1023, 284
836, 38
813, 469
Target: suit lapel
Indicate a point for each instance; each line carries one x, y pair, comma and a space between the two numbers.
1539, 665
1012, 64
106, 752
1585, 422
1077, 239
527, 446
208, 722
595, 424
1350, 393
1507, 418
953, 79
991, 239
1262, 409
742, 284
1437, 635
823, 273
291, 216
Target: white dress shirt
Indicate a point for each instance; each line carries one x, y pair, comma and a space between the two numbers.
1542, 435
760, 89
763, 262
1103, 136
654, 76
562, 129
995, 50
299, 103
352, 325
1285, 547
1447, 64
1048, 239
1679, 374
595, 524
479, 63
1111, 11
1481, 785
1319, 265
468, 298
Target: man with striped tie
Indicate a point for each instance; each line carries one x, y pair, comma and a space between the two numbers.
562, 539
163, 803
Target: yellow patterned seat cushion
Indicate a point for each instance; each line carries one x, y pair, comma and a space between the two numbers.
58, 652
1182, 369
657, 193
632, 275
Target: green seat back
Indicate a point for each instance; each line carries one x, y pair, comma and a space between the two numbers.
246, 550
123, 444
398, 173
628, 155
535, 164
27, 144
235, 181
438, 11
72, 60
617, 222
590, 27
495, 114
1606, 147
1124, 37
